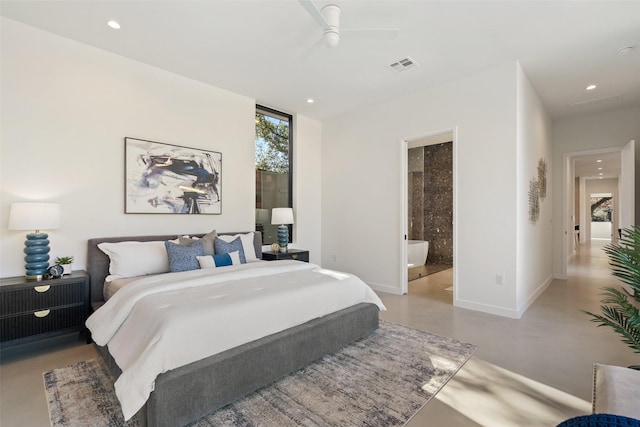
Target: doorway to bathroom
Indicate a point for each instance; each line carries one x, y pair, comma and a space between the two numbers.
429, 232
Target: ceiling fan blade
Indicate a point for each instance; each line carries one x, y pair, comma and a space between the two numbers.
371, 33
315, 13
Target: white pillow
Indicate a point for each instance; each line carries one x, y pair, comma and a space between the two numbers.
131, 259
247, 244
208, 261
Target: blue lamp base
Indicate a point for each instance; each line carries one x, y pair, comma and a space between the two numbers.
36, 248
283, 237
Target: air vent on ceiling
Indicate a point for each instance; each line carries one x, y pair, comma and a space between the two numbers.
403, 64
597, 102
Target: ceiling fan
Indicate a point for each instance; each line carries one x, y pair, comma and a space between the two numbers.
329, 20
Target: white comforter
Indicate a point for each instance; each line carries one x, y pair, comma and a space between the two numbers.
162, 322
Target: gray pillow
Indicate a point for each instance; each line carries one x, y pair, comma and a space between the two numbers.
222, 247
183, 257
207, 242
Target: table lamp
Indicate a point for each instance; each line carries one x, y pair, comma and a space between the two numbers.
282, 216
35, 216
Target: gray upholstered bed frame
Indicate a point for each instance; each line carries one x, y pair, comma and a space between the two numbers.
188, 393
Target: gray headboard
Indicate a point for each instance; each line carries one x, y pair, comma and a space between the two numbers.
98, 261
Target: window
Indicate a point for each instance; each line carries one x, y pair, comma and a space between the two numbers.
274, 141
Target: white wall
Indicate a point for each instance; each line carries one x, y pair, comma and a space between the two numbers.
307, 187
534, 270
66, 108
590, 132
361, 212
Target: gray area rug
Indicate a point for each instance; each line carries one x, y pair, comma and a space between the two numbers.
380, 380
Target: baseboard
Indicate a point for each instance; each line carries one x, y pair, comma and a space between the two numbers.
534, 296
487, 308
384, 288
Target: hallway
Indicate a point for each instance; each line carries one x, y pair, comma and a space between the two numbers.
535, 371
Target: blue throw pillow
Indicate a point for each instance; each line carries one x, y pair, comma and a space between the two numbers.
183, 258
222, 247
222, 260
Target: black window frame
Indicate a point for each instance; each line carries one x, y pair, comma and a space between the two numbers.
261, 109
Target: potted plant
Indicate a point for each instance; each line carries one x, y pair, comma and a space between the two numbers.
65, 262
619, 310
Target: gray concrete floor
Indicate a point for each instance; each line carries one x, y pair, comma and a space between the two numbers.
534, 371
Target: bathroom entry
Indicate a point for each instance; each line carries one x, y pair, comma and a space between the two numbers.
430, 205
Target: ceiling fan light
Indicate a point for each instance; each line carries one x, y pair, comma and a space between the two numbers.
331, 38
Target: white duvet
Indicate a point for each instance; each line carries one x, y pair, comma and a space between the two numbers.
161, 322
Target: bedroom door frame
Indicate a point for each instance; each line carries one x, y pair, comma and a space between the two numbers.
404, 206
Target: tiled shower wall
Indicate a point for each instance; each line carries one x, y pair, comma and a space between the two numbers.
438, 202
431, 199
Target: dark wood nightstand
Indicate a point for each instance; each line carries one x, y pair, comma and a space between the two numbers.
296, 254
34, 310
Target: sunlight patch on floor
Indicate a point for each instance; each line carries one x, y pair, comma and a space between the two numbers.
495, 397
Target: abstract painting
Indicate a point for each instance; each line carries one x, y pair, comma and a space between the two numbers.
171, 179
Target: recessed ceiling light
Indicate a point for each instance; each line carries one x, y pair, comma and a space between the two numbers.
114, 24
599, 169
599, 161
591, 87
600, 174
310, 100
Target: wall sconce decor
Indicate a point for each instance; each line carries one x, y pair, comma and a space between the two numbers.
537, 191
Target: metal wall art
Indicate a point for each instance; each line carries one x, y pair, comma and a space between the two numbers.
537, 191
171, 179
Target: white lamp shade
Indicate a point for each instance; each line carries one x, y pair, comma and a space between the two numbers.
34, 216
282, 216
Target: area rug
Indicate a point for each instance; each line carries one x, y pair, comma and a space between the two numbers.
380, 380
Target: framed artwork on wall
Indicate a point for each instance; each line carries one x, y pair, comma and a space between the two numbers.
171, 179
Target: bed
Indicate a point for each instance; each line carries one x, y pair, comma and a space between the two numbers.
189, 392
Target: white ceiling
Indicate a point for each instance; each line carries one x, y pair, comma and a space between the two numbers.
272, 51
591, 166
268, 50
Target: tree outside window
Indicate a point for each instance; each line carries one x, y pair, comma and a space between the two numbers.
273, 168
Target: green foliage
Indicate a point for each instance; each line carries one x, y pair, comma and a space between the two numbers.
272, 144
620, 315
61, 260
624, 258
618, 312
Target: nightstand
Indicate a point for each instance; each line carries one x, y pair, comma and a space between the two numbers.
34, 310
296, 254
